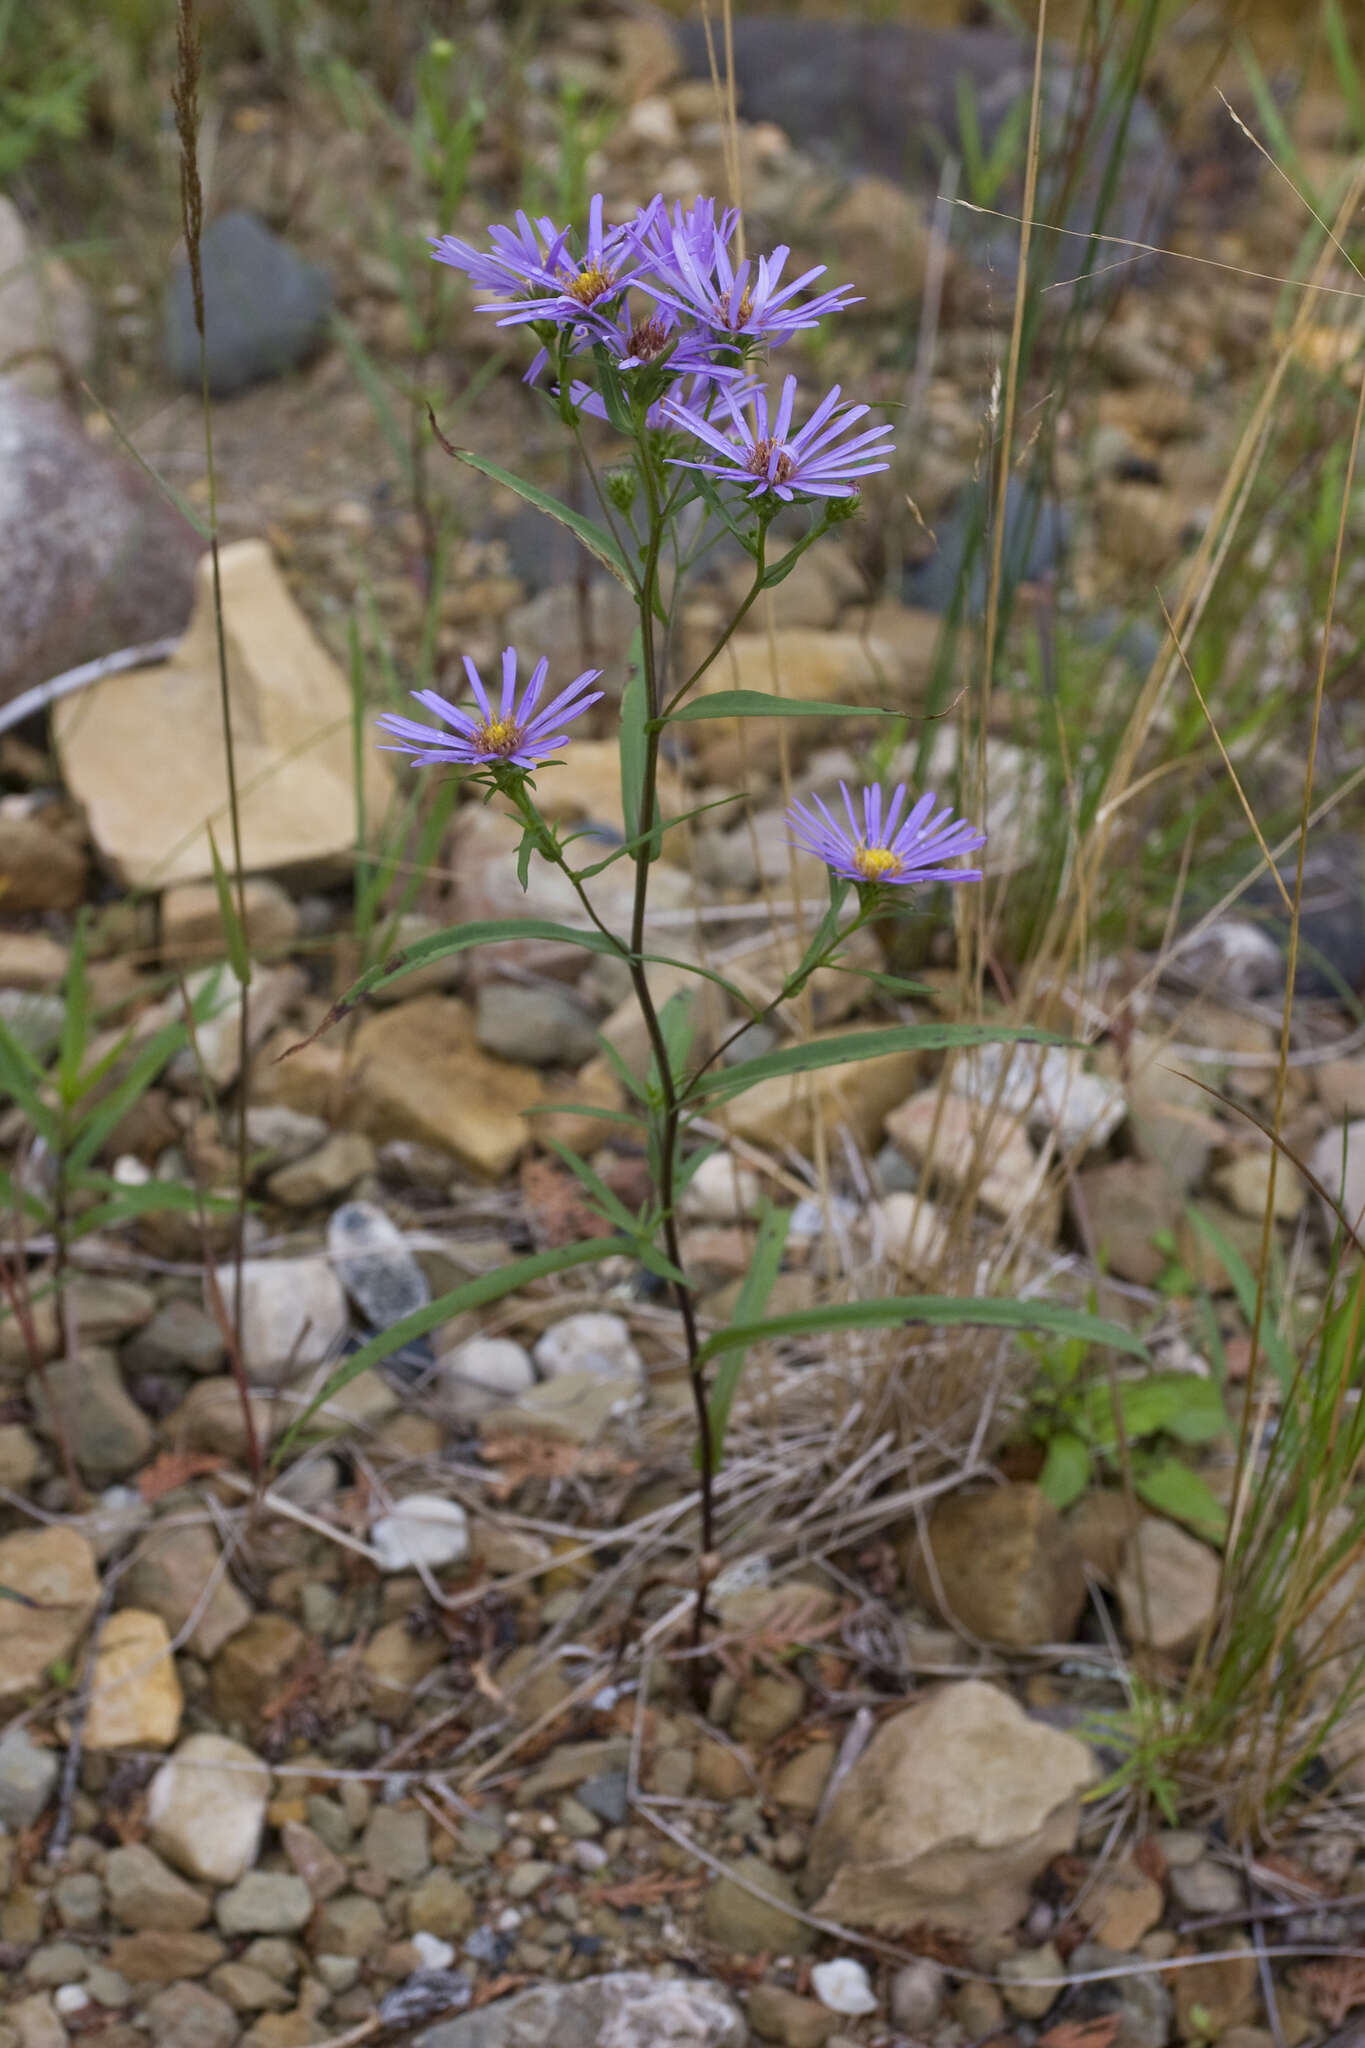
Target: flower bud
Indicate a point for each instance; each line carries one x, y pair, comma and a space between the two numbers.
621, 487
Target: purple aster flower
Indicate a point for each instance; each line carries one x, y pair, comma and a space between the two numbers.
690, 270
537, 274
515, 735
766, 456
887, 850
659, 234
640, 344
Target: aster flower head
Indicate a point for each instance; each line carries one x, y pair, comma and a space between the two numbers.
768, 459
514, 734
540, 275
689, 268
656, 340
887, 849
659, 233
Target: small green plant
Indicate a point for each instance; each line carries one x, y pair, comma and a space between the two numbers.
1092, 1425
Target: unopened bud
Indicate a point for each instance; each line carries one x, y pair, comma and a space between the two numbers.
621, 487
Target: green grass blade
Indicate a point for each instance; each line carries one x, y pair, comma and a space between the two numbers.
939, 1311
763, 704
755, 1289
852, 1046
475, 1293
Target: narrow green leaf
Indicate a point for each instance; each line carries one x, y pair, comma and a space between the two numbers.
755, 1289
76, 1018
460, 937
763, 704
144, 1067
634, 744
1282, 1361
939, 1311
596, 539
234, 931
719, 1085
612, 1209
21, 1078
475, 1293
151, 1198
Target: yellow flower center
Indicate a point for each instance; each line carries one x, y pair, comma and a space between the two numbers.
762, 456
591, 282
878, 863
743, 312
499, 736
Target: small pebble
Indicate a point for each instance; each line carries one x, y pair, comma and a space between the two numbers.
69, 1998
843, 1986
435, 1953
423, 1529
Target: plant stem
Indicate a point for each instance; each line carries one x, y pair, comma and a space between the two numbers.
642, 828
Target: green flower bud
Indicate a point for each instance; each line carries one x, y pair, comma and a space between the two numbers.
622, 485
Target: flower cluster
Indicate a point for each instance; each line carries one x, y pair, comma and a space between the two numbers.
657, 323
664, 297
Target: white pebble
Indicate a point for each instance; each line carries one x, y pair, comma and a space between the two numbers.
423, 1529
593, 1342
478, 1375
435, 1953
589, 1856
508, 1921
721, 1191
68, 1998
842, 1986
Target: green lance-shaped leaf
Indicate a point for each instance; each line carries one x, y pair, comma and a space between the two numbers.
1066, 1469
763, 704
234, 931
473, 1294
755, 1289
598, 540
634, 744
939, 1311
721, 1084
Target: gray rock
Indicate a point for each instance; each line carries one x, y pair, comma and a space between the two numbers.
188, 2016
265, 1902
181, 1337
293, 1314
110, 1435
374, 1265
79, 1900
144, 1892
739, 1920
265, 308
1208, 1887
538, 1023
91, 556
1143, 2003
628, 2009
397, 1843
608, 1796
884, 97
27, 1776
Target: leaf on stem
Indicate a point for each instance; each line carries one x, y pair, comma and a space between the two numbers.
851, 1046
596, 539
475, 1293
939, 1311
755, 1289
763, 704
